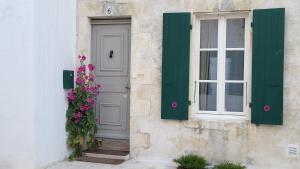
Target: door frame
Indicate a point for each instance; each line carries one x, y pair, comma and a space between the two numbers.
116, 21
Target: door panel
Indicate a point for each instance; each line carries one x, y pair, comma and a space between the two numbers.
112, 44
110, 54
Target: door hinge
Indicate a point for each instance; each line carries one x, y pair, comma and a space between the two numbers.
250, 104
251, 24
189, 102
191, 27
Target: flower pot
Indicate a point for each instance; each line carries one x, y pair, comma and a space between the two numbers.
82, 142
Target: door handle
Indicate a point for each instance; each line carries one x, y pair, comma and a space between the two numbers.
111, 54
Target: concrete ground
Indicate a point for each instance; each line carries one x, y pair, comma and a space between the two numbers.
131, 164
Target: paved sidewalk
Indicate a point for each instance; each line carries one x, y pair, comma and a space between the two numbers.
131, 164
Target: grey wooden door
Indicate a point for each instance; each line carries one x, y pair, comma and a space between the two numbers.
110, 54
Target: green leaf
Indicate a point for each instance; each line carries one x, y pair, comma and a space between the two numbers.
191, 161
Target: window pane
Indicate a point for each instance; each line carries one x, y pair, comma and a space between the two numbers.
208, 65
209, 34
235, 33
234, 65
208, 96
234, 97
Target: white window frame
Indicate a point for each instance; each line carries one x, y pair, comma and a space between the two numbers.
195, 61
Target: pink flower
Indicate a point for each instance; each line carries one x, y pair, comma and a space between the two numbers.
79, 56
92, 89
77, 115
79, 80
98, 86
71, 96
82, 108
90, 100
91, 77
76, 121
91, 67
83, 58
87, 107
71, 92
86, 77
82, 69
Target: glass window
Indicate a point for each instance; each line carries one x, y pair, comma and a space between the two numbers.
234, 97
221, 68
209, 34
208, 96
235, 33
234, 65
208, 65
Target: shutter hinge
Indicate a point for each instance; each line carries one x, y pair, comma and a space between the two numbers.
250, 104
189, 102
251, 24
191, 27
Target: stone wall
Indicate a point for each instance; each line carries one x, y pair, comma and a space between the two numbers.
260, 147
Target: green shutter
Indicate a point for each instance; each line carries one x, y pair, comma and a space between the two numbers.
175, 66
267, 66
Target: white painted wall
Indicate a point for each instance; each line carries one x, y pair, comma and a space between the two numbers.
55, 30
17, 84
37, 43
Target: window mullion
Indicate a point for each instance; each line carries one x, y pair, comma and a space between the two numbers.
222, 52
246, 61
219, 63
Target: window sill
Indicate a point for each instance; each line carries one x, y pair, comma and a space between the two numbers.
222, 118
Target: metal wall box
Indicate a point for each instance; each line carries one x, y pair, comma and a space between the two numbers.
68, 79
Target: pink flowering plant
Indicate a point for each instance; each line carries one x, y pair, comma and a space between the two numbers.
81, 120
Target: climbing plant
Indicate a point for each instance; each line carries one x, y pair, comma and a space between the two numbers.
81, 120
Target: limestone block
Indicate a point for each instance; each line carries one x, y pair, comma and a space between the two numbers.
141, 50
139, 107
141, 76
203, 6
140, 91
90, 8
140, 140
192, 124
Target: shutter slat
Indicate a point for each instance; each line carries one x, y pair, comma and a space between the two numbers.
175, 65
267, 66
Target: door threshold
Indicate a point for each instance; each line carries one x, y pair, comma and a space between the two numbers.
109, 151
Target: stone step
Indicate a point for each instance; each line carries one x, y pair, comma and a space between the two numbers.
110, 151
114, 144
107, 154
100, 160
